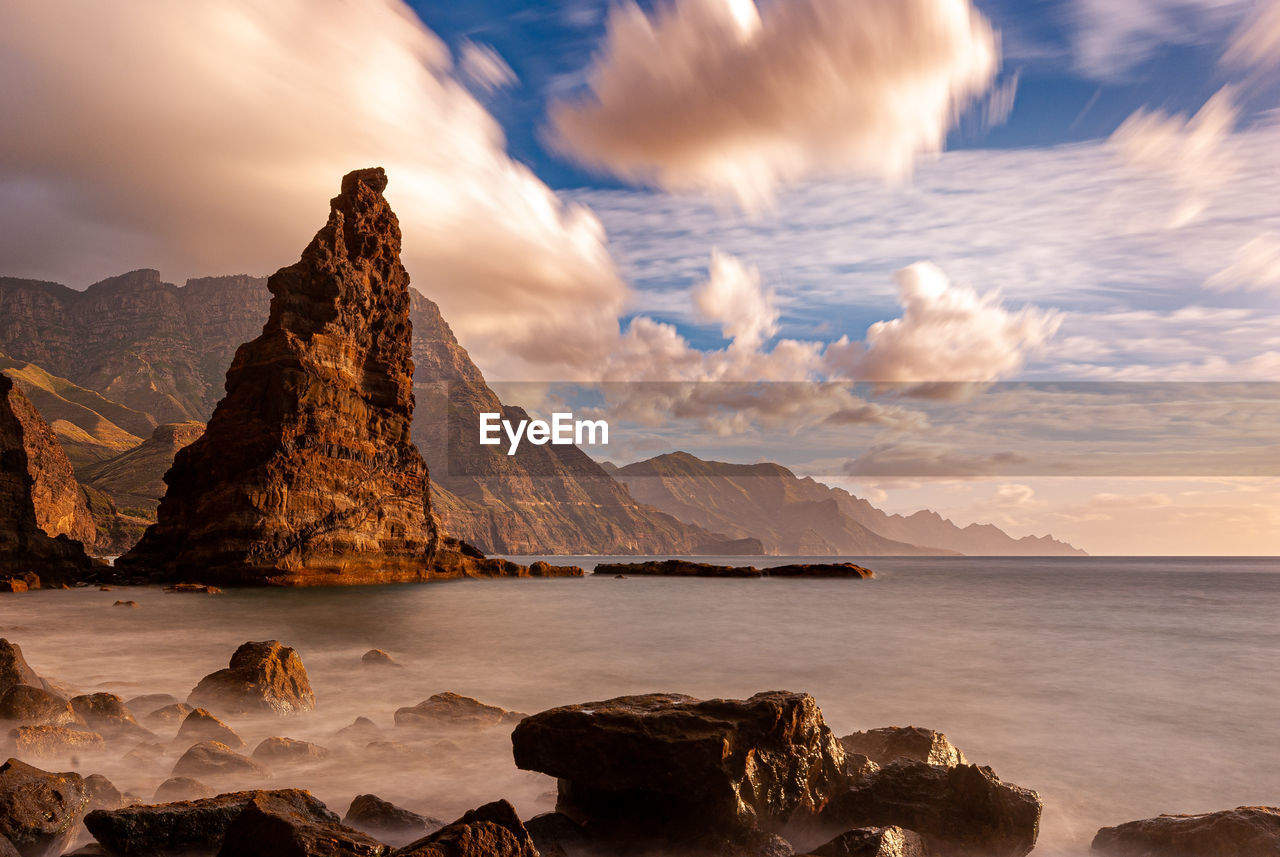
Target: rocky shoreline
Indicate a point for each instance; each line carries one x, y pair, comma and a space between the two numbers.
648, 774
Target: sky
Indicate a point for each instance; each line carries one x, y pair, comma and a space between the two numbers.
928, 199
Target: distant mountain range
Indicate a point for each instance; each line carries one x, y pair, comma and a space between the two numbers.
798, 516
126, 372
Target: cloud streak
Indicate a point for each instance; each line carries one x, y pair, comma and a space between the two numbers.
724, 97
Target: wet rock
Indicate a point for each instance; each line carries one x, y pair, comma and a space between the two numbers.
169, 715
287, 751
106, 714
193, 828
14, 669
34, 706
148, 753
1246, 830
378, 658
676, 568
13, 584
557, 835
141, 706
454, 711
125, 604
820, 569
53, 742
200, 725
670, 762
546, 569
896, 743
873, 842
102, 793
963, 811
492, 830
180, 789
388, 822
197, 588
361, 732
265, 677
40, 811
214, 759
271, 826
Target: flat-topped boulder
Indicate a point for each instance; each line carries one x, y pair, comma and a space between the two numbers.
896, 743
263, 677
449, 711
1246, 830
54, 742
689, 568
668, 762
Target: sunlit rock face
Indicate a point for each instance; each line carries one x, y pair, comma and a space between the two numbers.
306, 473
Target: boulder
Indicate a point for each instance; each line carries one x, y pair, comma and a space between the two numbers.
546, 569
265, 677
378, 658
102, 793
874, 842
676, 568
200, 725
35, 706
557, 835
274, 826
196, 588
360, 733
53, 742
180, 789
388, 822
493, 830
820, 569
896, 743
14, 669
454, 711
131, 604
213, 759
141, 706
106, 714
194, 828
40, 811
169, 715
671, 762
963, 811
1247, 830
287, 751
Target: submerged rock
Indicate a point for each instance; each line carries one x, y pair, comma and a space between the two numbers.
1246, 830
168, 715
288, 751
102, 793
962, 811
388, 822
873, 842
667, 762
378, 658
35, 706
492, 830
264, 677
688, 568
200, 725
896, 743
40, 811
180, 789
106, 714
141, 706
53, 742
454, 711
212, 759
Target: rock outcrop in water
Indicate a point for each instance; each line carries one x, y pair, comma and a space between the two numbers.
306, 473
687, 568
1251, 830
40, 500
265, 677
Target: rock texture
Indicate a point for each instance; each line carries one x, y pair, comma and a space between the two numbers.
40, 811
263, 677
492, 830
802, 517
1246, 830
673, 763
873, 842
448, 711
273, 825
37, 490
14, 669
896, 743
388, 822
134, 478
306, 472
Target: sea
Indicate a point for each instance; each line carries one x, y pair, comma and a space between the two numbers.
1118, 688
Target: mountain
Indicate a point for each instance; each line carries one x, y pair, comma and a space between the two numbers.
134, 479
543, 499
800, 516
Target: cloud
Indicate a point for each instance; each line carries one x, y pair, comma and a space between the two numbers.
1257, 41
719, 96
485, 66
947, 333
1194, 155
1113, 37
209, 139
1255, 268
733, 296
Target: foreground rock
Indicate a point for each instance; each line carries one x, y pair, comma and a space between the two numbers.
14, 669
388, 822
38, 490
34, 706
40, 812
275, 825
193, 828
493, 830
687, 568
1246, 830
264, 677
454, 711
306, 473
666, 762
874, 842
962, 811
903, 743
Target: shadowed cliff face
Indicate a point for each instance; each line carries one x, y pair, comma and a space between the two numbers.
306, 472
37, 492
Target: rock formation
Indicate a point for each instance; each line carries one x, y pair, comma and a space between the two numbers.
895, 743
306, 473
134, 479
37, 491
1251, 830
39, 811
687, 568
264, 677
